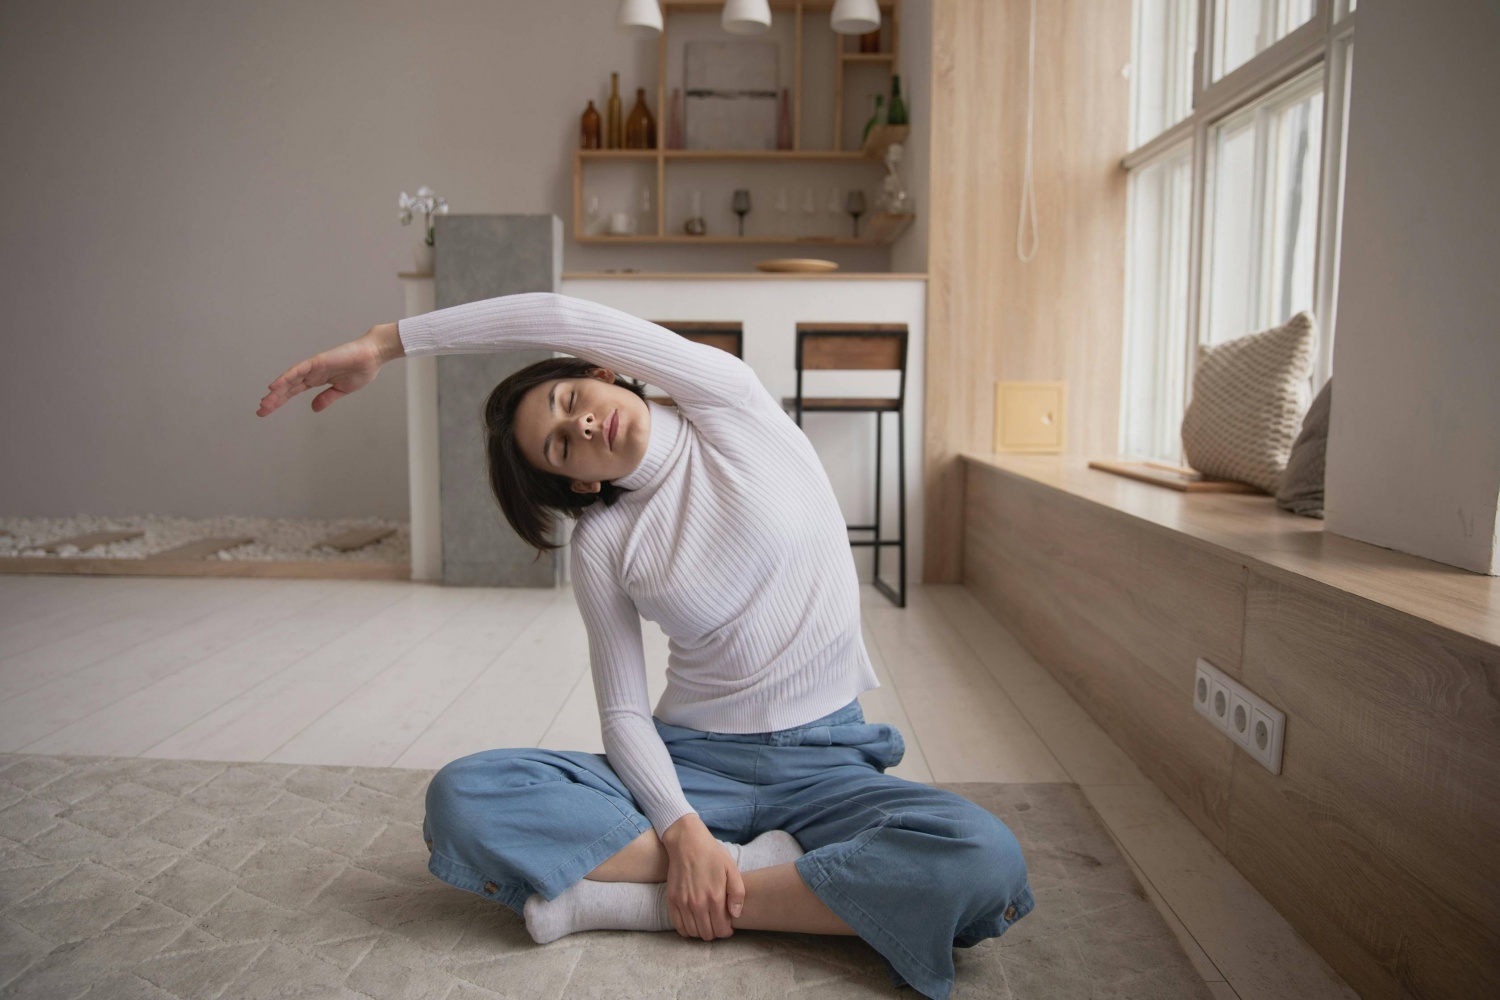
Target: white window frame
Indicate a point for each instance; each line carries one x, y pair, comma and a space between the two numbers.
1324, 41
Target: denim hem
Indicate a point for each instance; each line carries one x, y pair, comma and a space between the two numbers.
463, 877
514, 894
911, 970
555, 882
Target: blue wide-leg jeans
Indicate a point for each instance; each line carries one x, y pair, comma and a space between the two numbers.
914, 870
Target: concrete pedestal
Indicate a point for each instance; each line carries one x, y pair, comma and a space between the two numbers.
480, 257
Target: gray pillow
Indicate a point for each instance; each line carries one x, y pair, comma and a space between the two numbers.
1301, 489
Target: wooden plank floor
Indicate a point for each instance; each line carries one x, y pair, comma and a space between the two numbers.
391, 673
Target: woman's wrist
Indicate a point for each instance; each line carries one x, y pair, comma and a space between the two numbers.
673, 836
387, 340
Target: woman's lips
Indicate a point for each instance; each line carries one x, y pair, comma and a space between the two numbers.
614, 425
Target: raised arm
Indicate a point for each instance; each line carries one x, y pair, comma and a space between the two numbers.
694, 374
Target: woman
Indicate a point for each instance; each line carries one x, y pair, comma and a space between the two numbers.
716, 520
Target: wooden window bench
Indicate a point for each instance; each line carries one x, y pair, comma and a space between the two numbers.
1378, 839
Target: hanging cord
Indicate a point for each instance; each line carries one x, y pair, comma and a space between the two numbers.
1028, 192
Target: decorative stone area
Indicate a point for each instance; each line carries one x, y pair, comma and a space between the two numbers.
276, 539
133, 877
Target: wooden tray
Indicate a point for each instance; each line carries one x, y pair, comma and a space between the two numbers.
801, 264
1173, 477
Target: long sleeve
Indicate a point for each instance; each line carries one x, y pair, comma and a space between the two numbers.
618, 664
695, 375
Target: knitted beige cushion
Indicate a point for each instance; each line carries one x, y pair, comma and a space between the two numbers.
1249, 396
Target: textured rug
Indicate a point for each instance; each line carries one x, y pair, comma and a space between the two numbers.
126, 878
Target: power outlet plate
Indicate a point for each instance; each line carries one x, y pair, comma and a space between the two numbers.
1242, 715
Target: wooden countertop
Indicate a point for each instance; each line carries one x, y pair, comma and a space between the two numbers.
741, 276
720, 276
1252, 526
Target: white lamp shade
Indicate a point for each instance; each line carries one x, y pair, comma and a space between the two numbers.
746, 17
855, 17
641, 18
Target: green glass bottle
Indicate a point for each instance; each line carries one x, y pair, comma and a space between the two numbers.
897, 113
875, 119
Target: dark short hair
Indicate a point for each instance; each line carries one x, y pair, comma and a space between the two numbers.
530, 498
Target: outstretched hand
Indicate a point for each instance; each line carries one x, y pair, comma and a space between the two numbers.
343, 369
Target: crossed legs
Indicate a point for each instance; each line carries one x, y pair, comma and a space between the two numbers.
776, 898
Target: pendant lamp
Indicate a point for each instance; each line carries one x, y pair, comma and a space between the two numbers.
746, 17
855, 17
640, 18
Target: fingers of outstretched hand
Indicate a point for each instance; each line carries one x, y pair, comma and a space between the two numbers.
295, 379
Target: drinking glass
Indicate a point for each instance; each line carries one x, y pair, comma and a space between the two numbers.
856, 206
741, 206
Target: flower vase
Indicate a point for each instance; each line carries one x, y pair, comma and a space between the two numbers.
422, 257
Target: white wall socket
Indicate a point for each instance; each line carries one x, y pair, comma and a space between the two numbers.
1240, 713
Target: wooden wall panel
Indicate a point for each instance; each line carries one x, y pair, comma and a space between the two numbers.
990, 316
1119, 617
1379, 839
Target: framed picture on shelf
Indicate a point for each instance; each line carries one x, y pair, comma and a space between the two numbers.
730, 94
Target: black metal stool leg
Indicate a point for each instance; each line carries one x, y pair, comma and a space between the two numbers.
876, 547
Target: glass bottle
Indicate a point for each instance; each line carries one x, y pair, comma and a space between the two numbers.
590, 127
640, 129
674, 123
897, 113
875, 119
784, 121
613, 136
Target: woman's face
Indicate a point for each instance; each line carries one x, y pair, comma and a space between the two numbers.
587, 429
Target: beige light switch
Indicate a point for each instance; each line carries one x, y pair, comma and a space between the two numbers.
1029, 416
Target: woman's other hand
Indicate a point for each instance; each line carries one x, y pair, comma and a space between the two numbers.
343, 369
704, 887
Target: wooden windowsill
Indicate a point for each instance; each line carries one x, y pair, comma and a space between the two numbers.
1252, 527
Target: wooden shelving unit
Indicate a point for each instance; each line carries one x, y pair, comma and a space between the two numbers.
880, 228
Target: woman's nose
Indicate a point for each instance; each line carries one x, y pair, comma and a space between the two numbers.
586, 424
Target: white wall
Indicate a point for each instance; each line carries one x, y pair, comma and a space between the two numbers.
1414, 439
202, 194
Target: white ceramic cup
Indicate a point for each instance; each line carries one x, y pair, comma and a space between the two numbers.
621, 223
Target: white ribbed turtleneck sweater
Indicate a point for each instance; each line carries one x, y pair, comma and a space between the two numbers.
730, 539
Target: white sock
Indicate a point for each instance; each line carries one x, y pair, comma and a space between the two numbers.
588, 905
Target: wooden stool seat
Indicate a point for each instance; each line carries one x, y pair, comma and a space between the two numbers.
843, 404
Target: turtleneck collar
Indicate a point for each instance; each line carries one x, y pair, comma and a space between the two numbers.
666, 436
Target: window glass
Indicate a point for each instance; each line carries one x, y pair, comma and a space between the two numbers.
1264, 190
1155, 358
1161, 68
1243, 28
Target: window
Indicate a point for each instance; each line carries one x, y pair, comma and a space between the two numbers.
1244, 28
1264, 164
1162, 68
1156, 338
1234, 204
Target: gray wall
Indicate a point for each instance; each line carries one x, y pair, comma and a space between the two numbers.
1414, 439
200, 195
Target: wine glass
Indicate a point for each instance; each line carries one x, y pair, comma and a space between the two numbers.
741, 206
856, 206
835, 208
810, 209
782, 206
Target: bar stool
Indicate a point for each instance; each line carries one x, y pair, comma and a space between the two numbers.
862, 347
726, 335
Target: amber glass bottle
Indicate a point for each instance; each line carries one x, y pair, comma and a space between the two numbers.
640, 129
613, 134
590, 125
